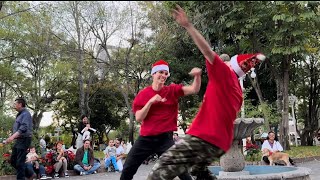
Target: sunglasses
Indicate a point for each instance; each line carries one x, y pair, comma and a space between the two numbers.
164, 72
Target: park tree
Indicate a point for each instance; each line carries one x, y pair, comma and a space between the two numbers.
308, 88
70, 18
39, 75
125, 62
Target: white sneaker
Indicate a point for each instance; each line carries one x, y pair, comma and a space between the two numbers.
43, 177
82, 173
66, 175
94, 172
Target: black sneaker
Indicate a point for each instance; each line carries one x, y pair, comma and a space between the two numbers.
205, 175
56, 176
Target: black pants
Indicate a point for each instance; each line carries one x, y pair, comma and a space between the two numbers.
18, 156
142, 149
266, 160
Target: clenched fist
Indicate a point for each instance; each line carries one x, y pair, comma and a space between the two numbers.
195, 71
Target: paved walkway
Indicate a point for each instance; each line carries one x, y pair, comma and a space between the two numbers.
140, 175
144, 170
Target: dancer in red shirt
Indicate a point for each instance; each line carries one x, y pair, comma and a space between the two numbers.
156, 107
211, 132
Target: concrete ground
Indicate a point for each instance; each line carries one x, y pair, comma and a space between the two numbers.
143, 171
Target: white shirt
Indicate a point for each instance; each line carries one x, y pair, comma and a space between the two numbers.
276, 146
120, 150
43, 143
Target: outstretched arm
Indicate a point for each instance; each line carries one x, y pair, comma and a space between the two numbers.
182, 19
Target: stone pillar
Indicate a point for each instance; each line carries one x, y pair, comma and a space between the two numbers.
233, 160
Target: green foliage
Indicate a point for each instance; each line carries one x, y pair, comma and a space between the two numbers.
6, 126
265, 110
253, 153
66, 138
123, 130
5, 166
33, 52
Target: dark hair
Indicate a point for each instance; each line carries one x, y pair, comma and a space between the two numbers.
83, 116
22, 101
275, 136
86, 140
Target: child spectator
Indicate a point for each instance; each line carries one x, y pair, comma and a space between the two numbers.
110, 153
86, 132
32, 164
32, 157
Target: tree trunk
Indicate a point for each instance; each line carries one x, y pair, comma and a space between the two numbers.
76, 17
284, 125
131, 128
36, 119
256, 86
307, 137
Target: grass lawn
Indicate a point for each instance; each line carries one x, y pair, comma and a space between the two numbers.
98, 154
303, 151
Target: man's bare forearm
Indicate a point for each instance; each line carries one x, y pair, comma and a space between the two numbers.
200, 41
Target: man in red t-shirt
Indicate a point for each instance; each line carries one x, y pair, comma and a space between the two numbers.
156, 108
211, 132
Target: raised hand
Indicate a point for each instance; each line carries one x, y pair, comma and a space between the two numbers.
195, 71
180, 16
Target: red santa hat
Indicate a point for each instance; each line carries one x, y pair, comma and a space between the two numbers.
160, 65
242, 63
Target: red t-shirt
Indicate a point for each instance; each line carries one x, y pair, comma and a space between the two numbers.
162, 116
221, 103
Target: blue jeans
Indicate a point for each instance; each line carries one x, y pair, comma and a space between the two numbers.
31, 170
19, 155
78, 168
114, 162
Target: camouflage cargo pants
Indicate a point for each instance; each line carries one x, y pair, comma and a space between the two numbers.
191, 153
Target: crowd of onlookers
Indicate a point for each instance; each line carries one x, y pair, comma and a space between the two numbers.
55, 161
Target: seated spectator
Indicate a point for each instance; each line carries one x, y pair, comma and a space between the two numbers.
85, 162
128, 148
33, 166
119, 155
176, 138
124, 145
273, 145
43, 147
60, 160
73, 149
110, 156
